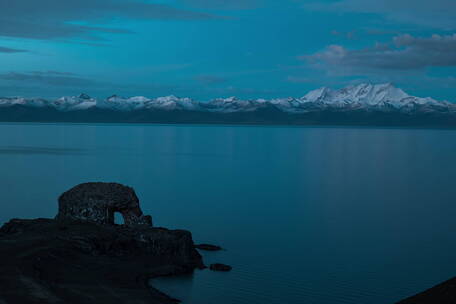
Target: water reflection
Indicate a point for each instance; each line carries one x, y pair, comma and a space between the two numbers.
26, 150
307, 215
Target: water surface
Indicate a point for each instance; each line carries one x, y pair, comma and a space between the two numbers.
307, 215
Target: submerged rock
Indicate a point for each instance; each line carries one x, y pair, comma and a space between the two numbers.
208, 247
220, 267
88, 260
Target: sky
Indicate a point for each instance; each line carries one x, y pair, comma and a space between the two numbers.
205, 49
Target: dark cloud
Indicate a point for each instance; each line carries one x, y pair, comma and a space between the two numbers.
51, 78
434, 13
210, 79
10, 51
223, 4
405, 52
54, 73
50, 19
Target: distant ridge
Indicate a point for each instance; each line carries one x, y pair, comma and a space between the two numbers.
363, 104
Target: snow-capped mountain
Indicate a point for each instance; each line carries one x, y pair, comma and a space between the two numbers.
233, 104
368, 97
380, 104
20, 101
82, 102
168, 103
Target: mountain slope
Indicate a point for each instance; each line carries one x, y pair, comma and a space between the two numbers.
364, 104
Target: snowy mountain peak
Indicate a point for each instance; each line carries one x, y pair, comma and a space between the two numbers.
231, 99
317, 95
223, 100
169, 98
114, 97
374, 94
84, 96
365, 96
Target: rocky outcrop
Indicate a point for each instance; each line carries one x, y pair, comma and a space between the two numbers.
444, 293
82, 257
98, 202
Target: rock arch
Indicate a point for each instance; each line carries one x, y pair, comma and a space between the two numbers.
98, 202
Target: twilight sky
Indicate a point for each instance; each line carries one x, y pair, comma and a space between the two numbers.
219, 48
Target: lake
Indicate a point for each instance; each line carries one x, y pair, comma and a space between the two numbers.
306, 214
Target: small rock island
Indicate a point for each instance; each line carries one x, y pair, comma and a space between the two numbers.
81, 256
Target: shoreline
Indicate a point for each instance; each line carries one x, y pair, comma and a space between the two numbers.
74, 262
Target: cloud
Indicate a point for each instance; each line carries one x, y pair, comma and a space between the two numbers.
52, 73
404, 52
10, 51
435, 13
50, 19
52, 78
223, 4
210, 79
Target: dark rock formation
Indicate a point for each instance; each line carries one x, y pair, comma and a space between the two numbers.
75, 259
208, 247
444, 293
220, 267
97, 202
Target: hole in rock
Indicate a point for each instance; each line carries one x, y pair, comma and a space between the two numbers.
118, 218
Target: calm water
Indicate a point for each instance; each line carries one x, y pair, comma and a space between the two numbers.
307, 215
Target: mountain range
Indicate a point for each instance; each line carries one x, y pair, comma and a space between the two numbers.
363, 104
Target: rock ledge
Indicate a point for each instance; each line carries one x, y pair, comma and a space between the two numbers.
81, 257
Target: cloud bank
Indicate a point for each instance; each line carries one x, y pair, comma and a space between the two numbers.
52, 78
404, 52
50, 19
435, 13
